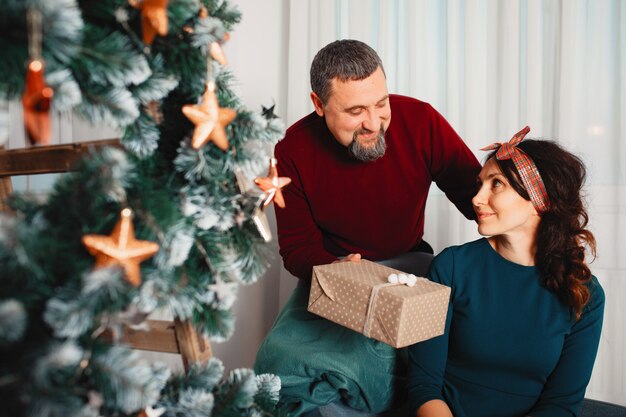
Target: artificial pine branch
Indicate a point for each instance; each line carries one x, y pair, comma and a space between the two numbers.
125, 381
224, 11
158, 86
141, 138
53, 304
108, 58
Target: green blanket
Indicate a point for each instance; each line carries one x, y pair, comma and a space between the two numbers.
320, 362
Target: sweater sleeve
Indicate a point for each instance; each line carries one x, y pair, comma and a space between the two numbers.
427, 359
454, 167
299, 237
565, 388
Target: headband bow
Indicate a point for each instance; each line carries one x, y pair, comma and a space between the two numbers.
526, 168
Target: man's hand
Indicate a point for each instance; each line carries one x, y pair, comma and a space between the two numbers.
353, 257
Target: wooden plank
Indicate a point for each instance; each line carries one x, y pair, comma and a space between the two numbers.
47, 159
6, 189
193, 347
159, 338
169, 337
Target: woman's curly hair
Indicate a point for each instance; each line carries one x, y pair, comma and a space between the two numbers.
562, 236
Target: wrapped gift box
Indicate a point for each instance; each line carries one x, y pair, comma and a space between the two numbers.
357, 295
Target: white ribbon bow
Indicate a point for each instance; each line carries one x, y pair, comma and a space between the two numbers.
406, 279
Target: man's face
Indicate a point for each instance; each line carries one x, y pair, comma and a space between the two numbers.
358, 111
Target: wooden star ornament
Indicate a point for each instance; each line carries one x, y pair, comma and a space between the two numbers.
121, 248
210, 120
36, 103
153, 18
272, 184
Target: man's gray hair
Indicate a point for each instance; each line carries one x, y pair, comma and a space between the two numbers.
344, 59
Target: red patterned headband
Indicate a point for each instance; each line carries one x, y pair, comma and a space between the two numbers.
525, 167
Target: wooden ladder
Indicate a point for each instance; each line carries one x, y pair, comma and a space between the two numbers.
176, 336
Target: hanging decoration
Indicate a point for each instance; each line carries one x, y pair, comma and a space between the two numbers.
153, 18
268, 112
121, 248
215, 47
37, 95
258, 216
272, 184
210, 120
216, 51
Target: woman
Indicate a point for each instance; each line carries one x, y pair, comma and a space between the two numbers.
525, 313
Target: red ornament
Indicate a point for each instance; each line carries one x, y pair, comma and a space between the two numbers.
36, 102
153, 18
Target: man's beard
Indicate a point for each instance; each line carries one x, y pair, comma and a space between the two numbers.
368, 153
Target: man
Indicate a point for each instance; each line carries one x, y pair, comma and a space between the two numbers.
361, 166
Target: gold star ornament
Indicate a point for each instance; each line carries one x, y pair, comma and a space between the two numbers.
210, 120
153, 18
272, 184
121, 248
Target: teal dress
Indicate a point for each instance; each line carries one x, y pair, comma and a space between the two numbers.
510, 347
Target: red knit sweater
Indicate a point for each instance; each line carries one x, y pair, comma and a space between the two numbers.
337, 205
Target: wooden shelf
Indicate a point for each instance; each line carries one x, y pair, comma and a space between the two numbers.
47, 159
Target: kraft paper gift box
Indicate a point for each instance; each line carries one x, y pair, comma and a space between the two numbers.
357, 295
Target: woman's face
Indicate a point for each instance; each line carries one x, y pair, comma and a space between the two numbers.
500, 210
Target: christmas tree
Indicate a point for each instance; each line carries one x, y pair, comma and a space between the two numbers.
168, 220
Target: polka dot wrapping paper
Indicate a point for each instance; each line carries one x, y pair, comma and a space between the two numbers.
357, 295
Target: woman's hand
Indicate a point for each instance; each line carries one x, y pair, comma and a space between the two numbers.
434, 408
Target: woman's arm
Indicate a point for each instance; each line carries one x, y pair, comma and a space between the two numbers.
564, 390
427, 359
434, 408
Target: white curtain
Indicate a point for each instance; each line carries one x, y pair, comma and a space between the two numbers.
491, 67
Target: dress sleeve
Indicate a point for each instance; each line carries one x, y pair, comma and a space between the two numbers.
454, 167
565, 388
299, 238
427, 359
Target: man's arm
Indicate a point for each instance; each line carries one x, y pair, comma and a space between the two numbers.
454, 167
299, 237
